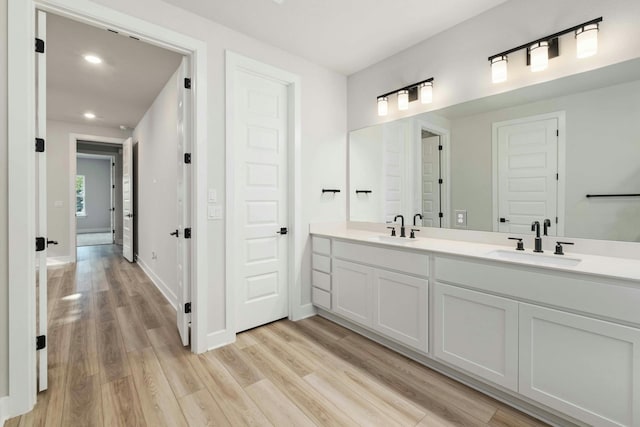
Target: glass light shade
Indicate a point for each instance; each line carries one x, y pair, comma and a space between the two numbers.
383, 106
587, 41
499, 69
403, 100
426, 93
539, 56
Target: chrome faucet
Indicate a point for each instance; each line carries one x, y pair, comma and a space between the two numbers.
535, 226
414, 219
402, 230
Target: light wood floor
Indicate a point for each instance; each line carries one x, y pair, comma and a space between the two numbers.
115, 359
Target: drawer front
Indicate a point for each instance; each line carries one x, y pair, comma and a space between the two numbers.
321, 298
406, 262
321, 263
573, 292
321, 280
321, 245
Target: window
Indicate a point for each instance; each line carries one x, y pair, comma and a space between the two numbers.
81, 203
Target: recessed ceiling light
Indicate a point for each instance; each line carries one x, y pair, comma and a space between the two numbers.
278, 1
93, 59
123, 127
89, 115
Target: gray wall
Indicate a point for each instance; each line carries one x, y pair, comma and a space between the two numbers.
156, 140
97, 174
4, 295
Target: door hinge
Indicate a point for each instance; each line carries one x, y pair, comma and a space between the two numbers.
557, 177
556, 220
440, 181
187, 158
187, 83
39, 145
557, 132
39, 45
440, 215
187, 308
113, 186
41, 342
439, 147
41, 244
187, 233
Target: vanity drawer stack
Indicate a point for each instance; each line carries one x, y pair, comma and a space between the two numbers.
321, 272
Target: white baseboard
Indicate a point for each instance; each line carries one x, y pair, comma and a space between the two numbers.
220, 339
164, 289
304, 311
59, 260
4, 413
93, 230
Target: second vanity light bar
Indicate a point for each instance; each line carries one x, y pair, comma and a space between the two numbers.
422, 90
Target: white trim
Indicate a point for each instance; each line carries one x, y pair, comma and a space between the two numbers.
562, 158
4, 401
168, 294
104, 157
234, 62
59, 260
220, 338
21, 160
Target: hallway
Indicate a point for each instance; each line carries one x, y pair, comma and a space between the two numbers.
115, 358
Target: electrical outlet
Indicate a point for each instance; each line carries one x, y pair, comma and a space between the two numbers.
461, 218
154, 255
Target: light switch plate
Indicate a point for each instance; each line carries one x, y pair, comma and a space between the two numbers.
461, 218
214, 212
213, 195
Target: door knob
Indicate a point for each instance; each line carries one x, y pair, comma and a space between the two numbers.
504, 220
52, 242
175, 233
283, 230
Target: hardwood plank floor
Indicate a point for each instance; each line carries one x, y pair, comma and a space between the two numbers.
115, 359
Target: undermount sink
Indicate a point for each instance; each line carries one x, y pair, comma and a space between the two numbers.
394, 240
534, 258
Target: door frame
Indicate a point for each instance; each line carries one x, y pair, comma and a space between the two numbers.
445, 167
234, 62
73, 169
562, 156
21, 169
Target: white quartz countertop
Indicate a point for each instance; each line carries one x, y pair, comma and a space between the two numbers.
611, 267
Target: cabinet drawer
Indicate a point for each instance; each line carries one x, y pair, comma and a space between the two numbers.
321, 298
406, 262
321, 280
321, 263
321, 245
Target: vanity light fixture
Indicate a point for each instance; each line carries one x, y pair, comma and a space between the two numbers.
540, 51
383, 106
407, 94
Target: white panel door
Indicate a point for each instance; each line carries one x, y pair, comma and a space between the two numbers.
394, 170
261, 134
41, 198
400, 308
586, 368
352, 291
184, 204
527, 175
127, 200
430, 182
478, 333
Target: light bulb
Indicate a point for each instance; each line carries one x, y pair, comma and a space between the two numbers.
93, 59
403, 100
383, 106
539, 56
587, 41
499, 69
89, 115
426, 92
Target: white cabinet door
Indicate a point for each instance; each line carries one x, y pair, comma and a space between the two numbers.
352, 291
400, 308
478, 333
586, 368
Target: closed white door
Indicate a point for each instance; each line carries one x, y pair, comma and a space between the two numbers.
127, 200
41, 200
586, 368
527, 175
261, 206
184, 205
430, 182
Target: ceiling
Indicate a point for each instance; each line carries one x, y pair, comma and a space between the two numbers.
119, 91
343, 35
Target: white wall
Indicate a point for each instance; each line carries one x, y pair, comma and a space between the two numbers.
323, 131
4, 295
457, 58
156, 214
58, 180
97, 173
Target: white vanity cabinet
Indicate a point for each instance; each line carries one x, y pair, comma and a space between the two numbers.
321, 272
478, 333
383, 289
586, 368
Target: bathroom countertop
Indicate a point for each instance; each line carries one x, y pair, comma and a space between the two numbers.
603, 266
